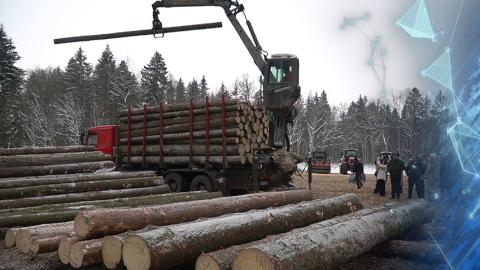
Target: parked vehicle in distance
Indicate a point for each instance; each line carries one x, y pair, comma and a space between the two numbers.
320, 162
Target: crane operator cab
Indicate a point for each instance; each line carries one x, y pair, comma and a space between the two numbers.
281, 90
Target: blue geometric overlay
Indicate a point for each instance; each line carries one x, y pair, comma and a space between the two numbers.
466, 143
441, 70
416, 22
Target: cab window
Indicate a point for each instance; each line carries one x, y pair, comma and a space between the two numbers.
280, 72
92, 139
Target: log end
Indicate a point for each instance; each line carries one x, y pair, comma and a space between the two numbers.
81, 225
10, 237
252, 259
206, 262
64, 249
23, 241
76, 255
112, 252
35, 247
136, 253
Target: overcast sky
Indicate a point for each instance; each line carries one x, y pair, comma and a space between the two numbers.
330, 59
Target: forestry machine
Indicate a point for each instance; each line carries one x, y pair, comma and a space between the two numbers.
280, 75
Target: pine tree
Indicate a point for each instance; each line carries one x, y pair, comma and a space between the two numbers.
180, 92
125, 90
77, 78
103, 87
223, 91
11, 78
170, 94
203, 88
193, 90
154, 80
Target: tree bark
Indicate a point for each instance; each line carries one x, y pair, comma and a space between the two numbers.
109, 221
178, 107
185, 160
172, 245
175, 114
223, 259
217, 133
412, 251
86, 167
80, 197
113, 203
55, 189
86, 253
45, 150
316, 246
183, 127
425, 232
46, 244
25, 236
179, 150
17, 182
52, 159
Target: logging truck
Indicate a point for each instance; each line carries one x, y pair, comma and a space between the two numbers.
269, 162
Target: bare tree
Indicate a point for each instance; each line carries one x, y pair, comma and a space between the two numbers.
69, 117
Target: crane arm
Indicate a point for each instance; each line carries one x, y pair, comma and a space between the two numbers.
231, 8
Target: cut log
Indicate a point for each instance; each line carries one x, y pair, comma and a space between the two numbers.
217, 133
173, 245
25, 236
45, 150
113, 203
186, 113
316, 246
10, 236
83, 197
46, 244
64, 248
178, 107
86, 253
178, 150
56, 189
223, 259
52, 159
86, 167
17, 182
179, 128
412, 251
93, 224
184, 160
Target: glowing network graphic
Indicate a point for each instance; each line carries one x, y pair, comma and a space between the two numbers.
416, 22
441, 70
466, 143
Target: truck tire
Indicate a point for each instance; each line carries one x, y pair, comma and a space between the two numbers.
201, 182
343, 169
176, 182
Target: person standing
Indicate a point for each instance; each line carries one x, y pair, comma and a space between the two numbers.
358, 171
415, 171
381, 175
396, 168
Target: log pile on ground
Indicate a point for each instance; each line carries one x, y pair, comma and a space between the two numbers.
169, 129
19, 162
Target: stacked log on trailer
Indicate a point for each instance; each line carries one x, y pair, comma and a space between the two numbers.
196, 133
19, 162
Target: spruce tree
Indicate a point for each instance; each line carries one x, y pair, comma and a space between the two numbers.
155, 80
193, 90
203, 88
223, 91
126, 90
180, 91
77, 79
103, 87
11, 98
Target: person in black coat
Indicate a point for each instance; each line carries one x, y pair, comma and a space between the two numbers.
415, 171
396, 168
358, 171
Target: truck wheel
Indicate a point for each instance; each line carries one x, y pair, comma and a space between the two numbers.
252, 184
201, 182
176, 182
343, 169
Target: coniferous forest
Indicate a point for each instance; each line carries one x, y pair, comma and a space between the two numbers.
53, 106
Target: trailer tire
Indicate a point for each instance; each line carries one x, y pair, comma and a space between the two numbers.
201, 182
176, 182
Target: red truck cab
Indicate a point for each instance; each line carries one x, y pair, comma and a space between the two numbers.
103, 138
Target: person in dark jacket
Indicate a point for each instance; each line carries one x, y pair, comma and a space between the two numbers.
415, 171
358, 171
396, 168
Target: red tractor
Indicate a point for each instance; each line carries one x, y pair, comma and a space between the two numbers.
320, 163
347, 160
